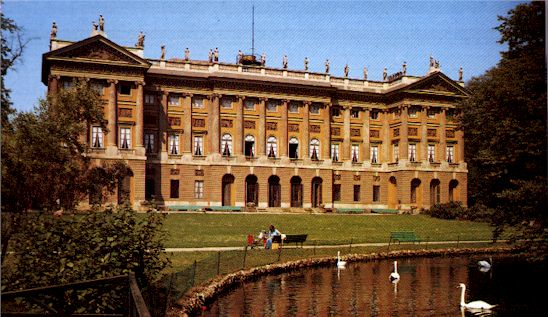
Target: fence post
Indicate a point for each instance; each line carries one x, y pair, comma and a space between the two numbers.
427, 238
218, 262
458, 240
350, 249
193, 273
279, 253
245, 256
314, 247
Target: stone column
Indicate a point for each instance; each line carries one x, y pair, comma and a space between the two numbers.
187, 124
459, 155
384, 157
403, 146
261, 149
306, 127
53, 84
326, 149
283, 145
214, 124
139, 123
239, 127
345, 155
424, 135
112, 114
163, 142
365, 130
441, 150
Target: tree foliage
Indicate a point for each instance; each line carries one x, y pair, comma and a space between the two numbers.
505, 125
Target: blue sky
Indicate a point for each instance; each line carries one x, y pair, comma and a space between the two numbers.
375, 34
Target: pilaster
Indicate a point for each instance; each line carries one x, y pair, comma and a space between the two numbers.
283, 130
187, 124
345, 155
239, 127
139, 108
112, 117
214, 124
261, 149
403, 146
306, 127
327, 131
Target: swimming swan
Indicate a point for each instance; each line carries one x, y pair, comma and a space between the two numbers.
475, 305
340, 264
485, 266
394, 276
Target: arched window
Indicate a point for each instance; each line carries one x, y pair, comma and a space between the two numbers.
272, 147
226, 144
249, 146
314, 149
293, 148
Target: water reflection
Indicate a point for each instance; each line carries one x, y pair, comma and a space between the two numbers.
427, 287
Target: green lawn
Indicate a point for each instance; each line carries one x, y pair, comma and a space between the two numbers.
203, 230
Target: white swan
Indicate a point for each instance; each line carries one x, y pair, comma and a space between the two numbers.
475, 305
394, 276
485, 266
340, 264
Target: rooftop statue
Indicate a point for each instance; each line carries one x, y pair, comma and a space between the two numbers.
284, 61
346, 69
404, 68
140, 40
364, 73
306, 63
187, 54
460, 74
163, 55
101, 23
327, 66
210, 55
53, 33
216, 54
263, 59
385, 74
240, 56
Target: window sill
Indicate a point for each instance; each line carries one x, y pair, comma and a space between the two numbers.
337, 163
129, 151
199, 157
174, 156
98, 150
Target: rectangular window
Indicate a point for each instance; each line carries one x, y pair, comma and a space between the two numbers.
174, 144
355, 113
315, 108
149, 142
413, 112
335, 152
450, 152
199, 189
355, 153
374, 154
412, 152
174, 100
197, 102
226, 103
294, 107
356, 192
249, 104
125, 138
396, 153
272, 106
98, 87
431, 113
374, 115
174, 188
97, 137
125, 89
149, 99
431, 153
335, 112
336, 192
376, 193
67, 84
199, 145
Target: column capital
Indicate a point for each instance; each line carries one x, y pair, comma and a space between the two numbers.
187, 94
165, 93
240, 97
286, 100
112, 81
265, 99
328, 104
139, 82
346, 107
307, 103
214, 95
52, 77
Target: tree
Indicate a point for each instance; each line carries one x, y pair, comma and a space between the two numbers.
505, 126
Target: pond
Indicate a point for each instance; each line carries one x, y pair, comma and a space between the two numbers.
427, 287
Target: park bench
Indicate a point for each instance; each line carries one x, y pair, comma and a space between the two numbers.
350, 210
225, 208
403, 236
295, 238
384, 211
185, 207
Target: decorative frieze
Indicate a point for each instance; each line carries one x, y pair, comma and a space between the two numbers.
226, 123
124, 113
396, 132
272, 126
249, 124
293, 127
198, 172
335, 131
314, 128
374, 133
337, 177
450, 133
355, 132
431, 132
174, 171
357, 177
412, 131
174, 121
198, 123
376, 178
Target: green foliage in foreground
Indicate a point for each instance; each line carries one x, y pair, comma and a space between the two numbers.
206, 230
58, 250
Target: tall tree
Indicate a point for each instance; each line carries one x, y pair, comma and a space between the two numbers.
505, 125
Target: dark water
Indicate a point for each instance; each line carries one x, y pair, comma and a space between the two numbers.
427, 287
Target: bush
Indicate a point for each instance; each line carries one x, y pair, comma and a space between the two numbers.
450, 210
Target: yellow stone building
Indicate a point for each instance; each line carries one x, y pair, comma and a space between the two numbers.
208, 133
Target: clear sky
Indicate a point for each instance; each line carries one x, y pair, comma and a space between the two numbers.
375, 34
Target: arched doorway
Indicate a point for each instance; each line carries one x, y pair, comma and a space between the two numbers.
453, 190
251, 190
416, 192
274, 191
227, 182
296, 192
316, 191
392, 192
435, 192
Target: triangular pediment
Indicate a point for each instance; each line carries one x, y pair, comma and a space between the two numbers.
437, 83
97, 49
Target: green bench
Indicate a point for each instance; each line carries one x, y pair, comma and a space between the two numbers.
350, 210
295, 238
403, 236
224, 208
384, 211
185, 207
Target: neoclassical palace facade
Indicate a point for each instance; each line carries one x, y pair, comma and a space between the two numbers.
209, 133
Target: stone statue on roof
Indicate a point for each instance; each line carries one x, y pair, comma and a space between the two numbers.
216, 54
284, 61
404, 68
364, 73
210, 55
95, 26
306, 63
140, 40
163, 55
53, 33
346, 70
101, 23
263, 59
460, 73
385, 74
240, 56
327, 66
187, 54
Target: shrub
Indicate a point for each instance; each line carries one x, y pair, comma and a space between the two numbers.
450, 210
